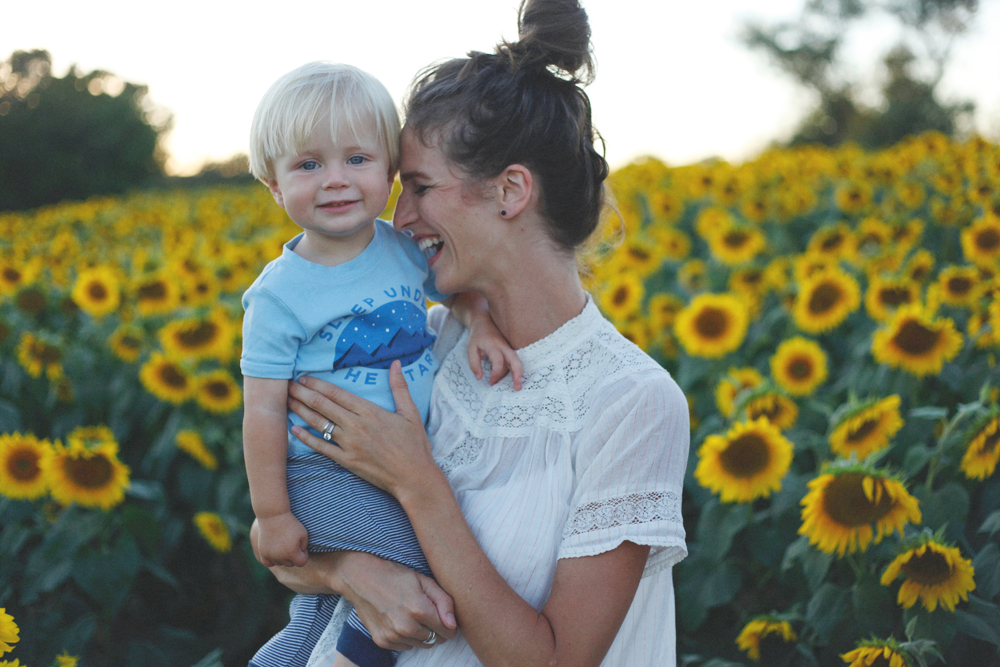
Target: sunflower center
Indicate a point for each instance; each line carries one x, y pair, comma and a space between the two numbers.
988, 239
11, 275
129, 342
92, 472
752, 277
173, 377
154, 291
31, 301
929, 569
991, 442
218, 389
639, 254
620, 297
861, 432
766, 407
801, 368
846, 503
894, 296
823, 298
23, 465
735, 239
48, 354
199, 335
97, 291
832, 242
745, 456
711, 323
959, 285
915, 339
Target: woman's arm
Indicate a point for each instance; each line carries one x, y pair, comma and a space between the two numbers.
590, 596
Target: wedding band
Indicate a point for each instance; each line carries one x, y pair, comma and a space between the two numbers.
328, 430
430, 639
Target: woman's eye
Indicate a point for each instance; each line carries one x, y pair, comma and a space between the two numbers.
355, 159
421, 189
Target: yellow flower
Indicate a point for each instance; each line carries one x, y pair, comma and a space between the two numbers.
920, 265
214, 530
729, 388
981, 240
36, 356
835, 241
191, 442
663, 309
760, 627
156, 294
848, 507
97, 291
198, 338
770, 405
12, 663
88, 476
64, 659
692, 275
853, 197
167, 379
865, 428
672, 242
622, 296
712, 220
14, 275
799, 366
916, 341
199, 288
126, 343
825, 300
712, 325
8, 631
22, 457
637, 332
911, 193
876, 653
639, 255
934, 573
959, 285
885, 295
983, 451
748, 462
666, 205
736, 244
873, 236
218, 392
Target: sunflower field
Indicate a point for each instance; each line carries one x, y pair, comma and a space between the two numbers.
832, 315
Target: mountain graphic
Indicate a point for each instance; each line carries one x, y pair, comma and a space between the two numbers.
396, 330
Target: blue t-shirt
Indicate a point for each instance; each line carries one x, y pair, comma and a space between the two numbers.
345, 324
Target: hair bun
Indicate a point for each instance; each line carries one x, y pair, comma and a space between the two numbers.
554, 32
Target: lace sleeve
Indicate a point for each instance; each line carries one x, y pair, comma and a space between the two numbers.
630, 466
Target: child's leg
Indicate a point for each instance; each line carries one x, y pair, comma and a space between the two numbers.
292, 646
356, 644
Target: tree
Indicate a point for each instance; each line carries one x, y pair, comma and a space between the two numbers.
72, 137
809, 49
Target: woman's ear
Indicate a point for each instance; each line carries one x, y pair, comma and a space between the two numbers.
515, 187
272, 185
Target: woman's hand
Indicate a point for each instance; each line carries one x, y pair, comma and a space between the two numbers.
385, 448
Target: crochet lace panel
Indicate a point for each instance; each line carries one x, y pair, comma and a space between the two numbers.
631, 509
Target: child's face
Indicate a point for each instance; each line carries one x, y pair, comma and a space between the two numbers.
335, 186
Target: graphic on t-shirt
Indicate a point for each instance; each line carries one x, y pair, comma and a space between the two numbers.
396, 330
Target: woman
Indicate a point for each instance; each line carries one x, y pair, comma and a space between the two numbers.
551, 515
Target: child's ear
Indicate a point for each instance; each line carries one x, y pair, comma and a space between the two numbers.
272, 185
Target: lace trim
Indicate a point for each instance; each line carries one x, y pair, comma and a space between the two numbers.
631, 509
464, 453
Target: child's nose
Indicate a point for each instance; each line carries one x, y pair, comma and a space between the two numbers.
335, 178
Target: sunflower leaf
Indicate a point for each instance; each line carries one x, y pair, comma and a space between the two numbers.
931, 412
718, 525
992, 523
987, 566
981, 621
828, 610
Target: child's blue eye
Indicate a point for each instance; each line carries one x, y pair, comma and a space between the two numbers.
309, 165
355, 159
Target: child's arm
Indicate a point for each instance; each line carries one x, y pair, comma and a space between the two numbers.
485, 339
283, 539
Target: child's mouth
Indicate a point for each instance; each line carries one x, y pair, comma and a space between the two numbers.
430, 246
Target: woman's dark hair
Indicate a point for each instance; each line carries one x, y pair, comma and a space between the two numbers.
524, 104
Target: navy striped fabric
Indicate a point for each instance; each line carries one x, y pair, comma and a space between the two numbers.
341, 512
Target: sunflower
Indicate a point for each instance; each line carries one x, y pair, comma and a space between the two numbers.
126, 343
218, 392
191, 442
748, 462
90, 476
692, 276
934, 572
799, 366
864, 428
873, 236
911, 193
877, 653
851, 505
750, 637
749, 280
885, 295
730, 387
712, 325
97, 291
916, 341
981, 240
14, 275
920, 265
763, 402
8, 631
622, 296
825, 300
167, 379
22, 457
853, 197
639, 255
835, 241
198, 338
36, 356
959, 285
663, 309
712, 220
983, 451
156, 294
200, 288
672, 242
736, 244
666, 206
64, 659
214, 530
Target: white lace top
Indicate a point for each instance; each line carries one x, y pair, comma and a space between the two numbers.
590, 453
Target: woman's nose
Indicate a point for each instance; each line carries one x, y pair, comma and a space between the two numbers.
405, 211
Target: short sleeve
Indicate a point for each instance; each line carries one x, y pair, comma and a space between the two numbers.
271, 336
630, 466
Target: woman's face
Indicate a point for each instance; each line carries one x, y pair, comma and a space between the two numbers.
449, 220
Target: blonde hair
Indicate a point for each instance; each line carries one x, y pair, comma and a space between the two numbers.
296, 103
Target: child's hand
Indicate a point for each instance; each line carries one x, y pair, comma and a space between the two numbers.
282, 541
485, 340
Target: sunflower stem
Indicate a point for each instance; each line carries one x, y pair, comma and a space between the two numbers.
858, 568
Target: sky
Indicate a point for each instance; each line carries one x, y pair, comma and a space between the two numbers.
673, 80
